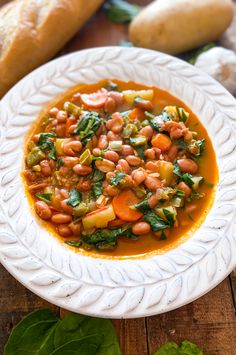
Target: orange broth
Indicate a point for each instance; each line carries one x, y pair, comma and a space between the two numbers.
188, 224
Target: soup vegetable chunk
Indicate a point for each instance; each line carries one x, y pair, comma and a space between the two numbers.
115, 165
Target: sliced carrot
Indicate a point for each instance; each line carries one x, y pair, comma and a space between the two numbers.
161, 141
95, 100
136, 113
122, 203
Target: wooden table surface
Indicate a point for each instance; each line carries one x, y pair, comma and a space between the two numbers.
209, 321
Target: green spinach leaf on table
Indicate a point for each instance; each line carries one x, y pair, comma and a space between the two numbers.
120, 11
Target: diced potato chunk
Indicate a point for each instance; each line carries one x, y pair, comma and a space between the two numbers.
99, 218
129, 95
166, 171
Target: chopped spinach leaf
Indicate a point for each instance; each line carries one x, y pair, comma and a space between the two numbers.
75, 197
179, 193
120, 11
117, 178
74, 243
177, 170
88, 126
169, 216
98, 176
180, 143
60, 162
140, 150
97, 189
157, 223
163, 235
44, 197
143, 206
45, 143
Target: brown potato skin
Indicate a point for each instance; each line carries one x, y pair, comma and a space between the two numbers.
180, 25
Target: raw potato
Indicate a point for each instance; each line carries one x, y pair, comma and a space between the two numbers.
175, 26
33, 31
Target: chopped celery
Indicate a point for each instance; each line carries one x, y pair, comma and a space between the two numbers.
72, 108
129, 129
115, 145
198, 180
35, 156
138, 140
86, 157
80, 210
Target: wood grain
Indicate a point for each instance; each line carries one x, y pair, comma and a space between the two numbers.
210, 321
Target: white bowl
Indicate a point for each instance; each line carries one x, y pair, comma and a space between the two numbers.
117, 288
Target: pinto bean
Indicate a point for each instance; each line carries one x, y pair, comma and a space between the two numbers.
112, 190
123, 166
141, 228
172, 153
53, 112
61, 116
117, 96
144, 104
60, 130
152, 201
105, 165
82, 170
70, 162
96, 152
45, 168
61, 218
152, 183
66, 208
84, 185
111, 136
94, 141
112, 156
116, 123
64, 230
72, 128
127, 150
185, 188
150, 153
71, 148
147, 132
138, 176
152, 166
75, 227
110, 105
102, 142
36, 187
43, 210
188, 166
133, 160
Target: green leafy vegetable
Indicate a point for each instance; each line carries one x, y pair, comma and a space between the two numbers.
97, 189
117, 178
111, 86
141, 150
76, 326
120, 11
75, 197
107, 238
188, 179
74, 243
35, 156
197, 147
44, 197
143, 206
185, 348
98, 176
60, 162
33, 335
163, 235
169, 216
177, 170
72, 108
42, 333
88, 126
192, 57
45, 143
180, 193
157, 223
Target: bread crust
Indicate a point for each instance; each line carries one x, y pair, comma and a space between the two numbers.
33, 31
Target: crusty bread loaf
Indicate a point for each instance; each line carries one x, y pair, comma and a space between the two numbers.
33, 31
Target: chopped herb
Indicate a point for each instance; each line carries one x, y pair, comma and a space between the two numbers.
75, 197
180, 143
120, 11
183, 115
188, 179
97, 189
143, 206
177, 170
117, 178
45, 143
98, 176
88, 126
60, 162
169, 216
44, 197
157, 223
196, 195
179, 193
74, 243
141, 150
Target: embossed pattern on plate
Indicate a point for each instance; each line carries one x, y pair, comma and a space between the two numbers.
113, 288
